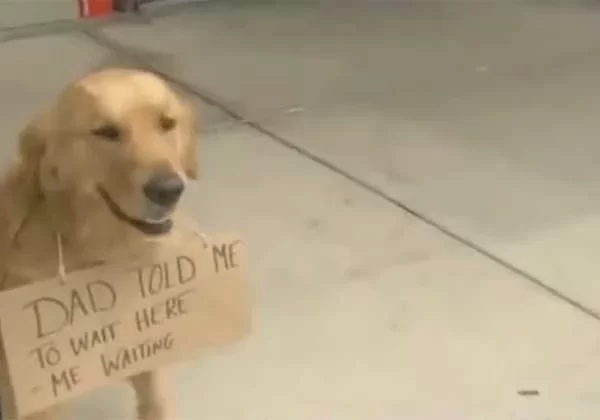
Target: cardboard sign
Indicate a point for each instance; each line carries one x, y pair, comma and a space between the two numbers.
108, 323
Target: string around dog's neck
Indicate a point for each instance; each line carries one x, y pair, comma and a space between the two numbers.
60, 269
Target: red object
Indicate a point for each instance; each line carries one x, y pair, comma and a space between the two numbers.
95, 8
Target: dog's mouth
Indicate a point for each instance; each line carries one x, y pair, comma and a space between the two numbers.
148, 228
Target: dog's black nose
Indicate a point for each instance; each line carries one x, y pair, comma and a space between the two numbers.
164, 189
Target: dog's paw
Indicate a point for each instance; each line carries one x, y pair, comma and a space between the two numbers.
151, 412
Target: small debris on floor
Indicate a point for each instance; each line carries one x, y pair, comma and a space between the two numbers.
529, 392
294, 110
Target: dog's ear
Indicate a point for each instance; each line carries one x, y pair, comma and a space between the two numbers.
22, 180
33, 141
190, 149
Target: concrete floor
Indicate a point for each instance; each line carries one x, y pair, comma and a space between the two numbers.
417, 182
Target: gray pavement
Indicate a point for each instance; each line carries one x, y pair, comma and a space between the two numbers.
14, 13
416, 182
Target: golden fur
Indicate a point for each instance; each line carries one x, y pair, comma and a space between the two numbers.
52, 187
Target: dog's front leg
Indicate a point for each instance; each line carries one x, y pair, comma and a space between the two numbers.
150, 396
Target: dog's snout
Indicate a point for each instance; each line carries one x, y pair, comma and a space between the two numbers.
164, 189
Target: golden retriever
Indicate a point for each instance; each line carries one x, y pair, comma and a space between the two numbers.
104, 166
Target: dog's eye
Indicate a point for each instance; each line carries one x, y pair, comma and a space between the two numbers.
167, 123
108, 132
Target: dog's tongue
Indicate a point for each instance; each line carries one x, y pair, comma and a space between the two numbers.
154, 228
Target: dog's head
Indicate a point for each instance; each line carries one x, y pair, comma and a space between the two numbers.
122, 135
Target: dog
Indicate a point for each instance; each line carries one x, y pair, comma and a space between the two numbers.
105, 165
